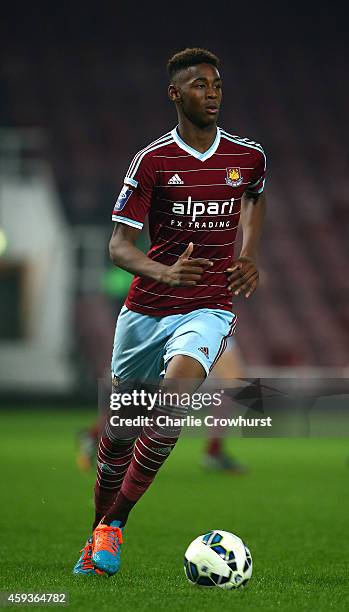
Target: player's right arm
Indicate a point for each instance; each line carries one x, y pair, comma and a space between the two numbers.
184, 272
130, 211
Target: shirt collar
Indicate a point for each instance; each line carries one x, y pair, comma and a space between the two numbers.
197, 154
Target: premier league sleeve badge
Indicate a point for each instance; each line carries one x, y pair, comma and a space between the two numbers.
124, 195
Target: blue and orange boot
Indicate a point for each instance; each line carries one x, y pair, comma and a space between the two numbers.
106, 547
85, 565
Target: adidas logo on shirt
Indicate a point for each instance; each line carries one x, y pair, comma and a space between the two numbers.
175, 180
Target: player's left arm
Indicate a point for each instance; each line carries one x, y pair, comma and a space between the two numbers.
244, 275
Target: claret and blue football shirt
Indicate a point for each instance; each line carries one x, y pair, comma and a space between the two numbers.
189, 197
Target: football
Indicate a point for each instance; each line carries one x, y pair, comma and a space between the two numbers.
218, 559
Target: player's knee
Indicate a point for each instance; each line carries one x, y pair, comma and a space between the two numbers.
181, 367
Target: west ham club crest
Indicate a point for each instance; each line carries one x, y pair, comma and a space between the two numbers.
234, 177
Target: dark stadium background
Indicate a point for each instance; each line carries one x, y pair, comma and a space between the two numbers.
82, 88
94, 80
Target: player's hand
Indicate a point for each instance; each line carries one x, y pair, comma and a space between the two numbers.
243, 277
186, 272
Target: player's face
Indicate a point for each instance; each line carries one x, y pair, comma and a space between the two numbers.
197, 92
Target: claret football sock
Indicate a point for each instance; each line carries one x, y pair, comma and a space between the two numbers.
151, 450
214, 446
113, 459
121, 508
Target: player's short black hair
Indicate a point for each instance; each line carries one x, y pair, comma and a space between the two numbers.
190, 57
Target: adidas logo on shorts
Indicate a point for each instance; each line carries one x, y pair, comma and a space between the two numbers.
175, 180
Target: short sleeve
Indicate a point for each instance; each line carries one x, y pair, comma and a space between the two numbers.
133, 203
257, 182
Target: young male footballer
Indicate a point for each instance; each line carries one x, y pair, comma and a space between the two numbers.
194, 184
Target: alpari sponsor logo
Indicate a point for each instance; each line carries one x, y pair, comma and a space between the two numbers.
197, 210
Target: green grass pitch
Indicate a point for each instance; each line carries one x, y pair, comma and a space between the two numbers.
291, 509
